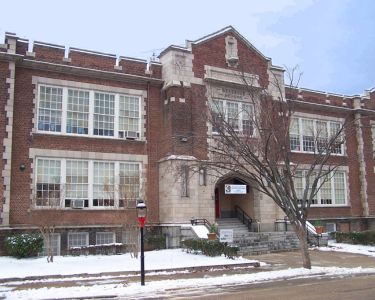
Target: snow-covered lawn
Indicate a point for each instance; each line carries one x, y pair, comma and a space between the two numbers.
341, 247
123, 287
66, 265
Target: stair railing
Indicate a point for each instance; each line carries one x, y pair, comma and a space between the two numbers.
243, 217
201, 222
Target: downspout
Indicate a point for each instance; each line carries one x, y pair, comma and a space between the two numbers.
361, 156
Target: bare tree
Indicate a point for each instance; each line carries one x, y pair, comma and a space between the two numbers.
260, 151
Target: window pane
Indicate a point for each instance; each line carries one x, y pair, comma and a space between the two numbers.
48, 182
103, 238
335, 127
128, 115
247, 119
322, 135
104, 184
77, 239
294, 137
78, 112
217, 111
326, 191
308, 135
339, 184
233, 114
129, 184
77, 179
104, 112
49, 109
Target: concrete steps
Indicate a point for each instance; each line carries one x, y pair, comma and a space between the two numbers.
251, 243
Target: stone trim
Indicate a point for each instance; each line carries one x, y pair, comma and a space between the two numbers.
7, 143
362, 164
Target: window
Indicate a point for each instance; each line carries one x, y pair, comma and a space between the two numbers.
86, 183
50, 108
55, 245
90, 113
104, 114
129, 184
202, 176
332, 191
77, 181
233, 115
104, 184
129, 117
314, 136
239, 116
77, 120
78, 239
185, 181
48, 182
103, 238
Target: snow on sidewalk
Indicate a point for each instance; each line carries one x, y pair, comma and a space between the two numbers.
68, 265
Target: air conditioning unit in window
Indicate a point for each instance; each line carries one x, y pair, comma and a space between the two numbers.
78, 203
131, 134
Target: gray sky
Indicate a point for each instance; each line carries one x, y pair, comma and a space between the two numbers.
332, 41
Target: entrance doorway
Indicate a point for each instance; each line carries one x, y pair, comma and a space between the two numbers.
230, 193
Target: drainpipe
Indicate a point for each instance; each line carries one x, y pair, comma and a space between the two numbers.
361, 156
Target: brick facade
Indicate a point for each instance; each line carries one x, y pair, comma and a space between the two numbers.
175, 94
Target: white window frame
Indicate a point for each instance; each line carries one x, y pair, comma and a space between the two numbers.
90, 133
105, 232
333, 192
70, 234
240, 113
63, 164
314, 120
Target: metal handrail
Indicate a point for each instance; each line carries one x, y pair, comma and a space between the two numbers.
201, 222
243, 217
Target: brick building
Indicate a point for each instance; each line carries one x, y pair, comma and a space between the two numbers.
85, 133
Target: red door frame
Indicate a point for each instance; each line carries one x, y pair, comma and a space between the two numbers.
217, 204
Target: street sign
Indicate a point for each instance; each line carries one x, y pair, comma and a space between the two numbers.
235, 189
226, 235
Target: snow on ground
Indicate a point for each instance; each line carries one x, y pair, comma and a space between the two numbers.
200, 230
341, 247
163, 287
64, 265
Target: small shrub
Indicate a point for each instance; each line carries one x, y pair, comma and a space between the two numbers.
209, 248
156, 241
24, 245
360, 237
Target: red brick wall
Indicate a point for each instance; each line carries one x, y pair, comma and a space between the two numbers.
212, 53
22, 141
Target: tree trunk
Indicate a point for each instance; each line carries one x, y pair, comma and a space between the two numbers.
302, 236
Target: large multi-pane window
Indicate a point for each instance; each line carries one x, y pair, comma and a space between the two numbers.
77, 118
332, 190
91, 113
48, 182
239, 116
78, 239
104, 184
76, 183
50, 108
129, 184
105, 238
104, 114
128, 116
314, 136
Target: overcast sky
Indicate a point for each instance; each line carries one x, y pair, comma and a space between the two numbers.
332, 41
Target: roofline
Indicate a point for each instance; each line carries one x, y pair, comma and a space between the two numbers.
226, 29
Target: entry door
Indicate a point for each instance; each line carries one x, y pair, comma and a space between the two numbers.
217, 204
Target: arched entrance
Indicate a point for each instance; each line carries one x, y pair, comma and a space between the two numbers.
232, 192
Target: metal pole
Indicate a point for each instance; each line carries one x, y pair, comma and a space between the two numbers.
142, 259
